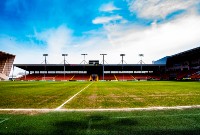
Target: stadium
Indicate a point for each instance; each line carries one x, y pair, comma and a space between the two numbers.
181, 66
100, 67
6, 63
98, 98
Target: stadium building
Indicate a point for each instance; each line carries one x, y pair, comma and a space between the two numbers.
6, 63
184, 65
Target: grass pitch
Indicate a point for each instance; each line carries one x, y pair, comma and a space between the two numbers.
173, 122
37, 94
137, 94
100, 95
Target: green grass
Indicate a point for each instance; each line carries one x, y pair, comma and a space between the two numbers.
37, 94
99, 94
105, 123
137, 94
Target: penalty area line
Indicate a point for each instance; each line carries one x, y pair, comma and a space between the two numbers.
59, 107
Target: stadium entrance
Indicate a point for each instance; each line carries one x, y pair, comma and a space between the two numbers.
94, 77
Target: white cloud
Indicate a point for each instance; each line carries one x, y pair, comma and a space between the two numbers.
155, 9
109, 7
154, 42
24, 51
157, 41
57, 40
107, 19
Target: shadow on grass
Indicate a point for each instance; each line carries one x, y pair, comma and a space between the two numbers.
70, 127
106, 127
126, 122
162, 132
94, 124
103, 125
97, 117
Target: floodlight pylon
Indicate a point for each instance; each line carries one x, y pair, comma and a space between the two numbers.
45, 60
64, 63
103, 64
141, 61
84, 58
122, 55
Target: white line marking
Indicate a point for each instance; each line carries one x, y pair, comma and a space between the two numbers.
103, 109
27, 109
4, 119
58, 108
134, 109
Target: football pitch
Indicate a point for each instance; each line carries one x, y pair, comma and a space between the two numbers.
86, 107
94, 95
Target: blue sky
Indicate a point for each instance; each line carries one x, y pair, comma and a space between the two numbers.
156, 28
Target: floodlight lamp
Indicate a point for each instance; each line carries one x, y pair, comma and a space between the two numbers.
141, 55
122, 54
103, 54
45, 54
84, 54
64, 54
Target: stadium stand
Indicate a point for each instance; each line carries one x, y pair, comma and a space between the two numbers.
67, 77
6, 62
184, 74
28, 77
124, 77
84, 77
55, 77
195, 76
146, 77
181, 66
86, 72
141, 76
107, 77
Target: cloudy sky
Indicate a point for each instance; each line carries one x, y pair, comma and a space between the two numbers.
155, 28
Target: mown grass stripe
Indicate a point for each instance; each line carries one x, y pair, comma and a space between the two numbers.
89, 126
4, 119
144, 116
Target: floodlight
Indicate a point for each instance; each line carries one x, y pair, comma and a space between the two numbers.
141, 55
64, 63
45, 60
45, 54
64, 54
103, 64
84, 54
